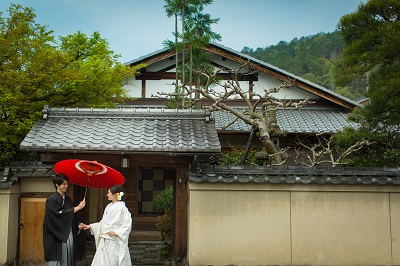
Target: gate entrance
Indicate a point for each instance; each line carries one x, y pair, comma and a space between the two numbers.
31, 231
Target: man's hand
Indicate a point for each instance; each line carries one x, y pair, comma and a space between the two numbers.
80, 206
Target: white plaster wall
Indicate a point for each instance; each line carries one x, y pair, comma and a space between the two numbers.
9, 223
394, 199
231, 227
153, 87
134, 89
266, 82
32, 185
279, 224
341, 228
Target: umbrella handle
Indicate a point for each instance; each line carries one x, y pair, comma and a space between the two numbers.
85, 193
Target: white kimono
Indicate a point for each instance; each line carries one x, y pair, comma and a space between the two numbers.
113, 250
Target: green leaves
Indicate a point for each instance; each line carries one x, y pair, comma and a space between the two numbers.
310, 57
195, 33
372, 37
384, 150
235, 155
35, 70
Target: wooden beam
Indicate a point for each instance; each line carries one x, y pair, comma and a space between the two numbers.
171, 76
143, 88
155, 75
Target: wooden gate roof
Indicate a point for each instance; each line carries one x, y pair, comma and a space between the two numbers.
123, 130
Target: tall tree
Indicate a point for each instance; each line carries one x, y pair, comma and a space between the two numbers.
173, 8
199, 34
36, 70
195, 33
372, 36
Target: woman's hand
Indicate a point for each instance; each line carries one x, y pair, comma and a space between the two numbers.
84, 226
111, 233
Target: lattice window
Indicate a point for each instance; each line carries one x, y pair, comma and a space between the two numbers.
151, 182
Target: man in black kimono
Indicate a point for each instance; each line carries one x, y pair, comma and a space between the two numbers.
59, 225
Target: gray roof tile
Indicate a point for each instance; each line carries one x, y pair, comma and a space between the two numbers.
241, 174
295, 174
17, 169
292, 120
123, 130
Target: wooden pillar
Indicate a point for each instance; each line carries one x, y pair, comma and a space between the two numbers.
179, 248
76, 193
143, 88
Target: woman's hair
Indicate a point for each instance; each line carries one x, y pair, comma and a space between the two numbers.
116, 189
58, 179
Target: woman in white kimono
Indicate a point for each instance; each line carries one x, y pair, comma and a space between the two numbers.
111, 234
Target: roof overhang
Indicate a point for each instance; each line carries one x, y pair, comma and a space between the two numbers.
258, 65
127, 130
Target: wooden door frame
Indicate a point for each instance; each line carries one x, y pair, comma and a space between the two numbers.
75, 193
36, 198
181, 165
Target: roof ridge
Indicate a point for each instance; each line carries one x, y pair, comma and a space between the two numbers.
149, 112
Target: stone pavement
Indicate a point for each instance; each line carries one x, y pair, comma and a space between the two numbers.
146, 252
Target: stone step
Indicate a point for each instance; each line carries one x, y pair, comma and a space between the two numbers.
146, 252
144, 235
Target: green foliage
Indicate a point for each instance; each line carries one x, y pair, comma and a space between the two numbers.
310, 57
384, 150
195, 33
164, 202
372, 52
36, 70
235, 155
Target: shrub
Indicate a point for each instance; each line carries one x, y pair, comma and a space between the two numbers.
164, 202
234, 156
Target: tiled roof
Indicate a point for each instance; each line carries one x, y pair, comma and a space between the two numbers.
304, 120
241, 174
292, 120
295, 174
17, 169
123, 130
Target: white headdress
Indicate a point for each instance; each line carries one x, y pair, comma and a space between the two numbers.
120, 194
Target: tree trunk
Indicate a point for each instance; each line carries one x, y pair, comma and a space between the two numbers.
183, 52
176, 51
268, 144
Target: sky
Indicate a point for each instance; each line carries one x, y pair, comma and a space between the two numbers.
134, 28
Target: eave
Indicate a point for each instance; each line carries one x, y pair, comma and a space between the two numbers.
281, 75
253, 63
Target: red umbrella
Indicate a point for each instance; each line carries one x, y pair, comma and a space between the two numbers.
89, 173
